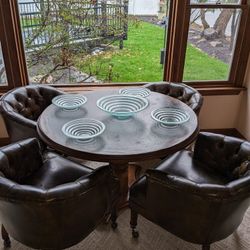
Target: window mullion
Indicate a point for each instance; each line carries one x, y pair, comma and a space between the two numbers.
177, 43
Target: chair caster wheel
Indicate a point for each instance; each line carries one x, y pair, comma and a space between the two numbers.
135, 234
114, 225
7, 244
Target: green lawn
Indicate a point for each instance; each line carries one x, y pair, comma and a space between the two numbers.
139, 60
201, 66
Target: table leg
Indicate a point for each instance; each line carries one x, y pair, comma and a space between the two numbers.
133, 173
120, 170
127, 175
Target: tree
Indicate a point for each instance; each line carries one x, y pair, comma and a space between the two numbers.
64, 29
222, 21
203, 19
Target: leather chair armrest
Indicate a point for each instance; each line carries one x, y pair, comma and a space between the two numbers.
8, 113
12, 191
98, 175
179, 184
161, 87
103, 176
240, 186
98, 180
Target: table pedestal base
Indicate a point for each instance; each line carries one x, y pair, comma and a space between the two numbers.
127, 175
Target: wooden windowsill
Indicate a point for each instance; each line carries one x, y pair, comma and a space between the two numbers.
205, 91
212, 91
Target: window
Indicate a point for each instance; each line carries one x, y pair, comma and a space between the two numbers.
207, 42
93, 41
211, 43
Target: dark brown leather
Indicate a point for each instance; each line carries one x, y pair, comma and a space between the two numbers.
194, 195
21, 108
49, 202
180, 91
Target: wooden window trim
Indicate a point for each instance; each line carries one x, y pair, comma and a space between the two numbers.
12, 46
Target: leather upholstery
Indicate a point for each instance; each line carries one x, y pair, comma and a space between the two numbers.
56, 171
195, 195
49, 202
183, 164
22, 107
180, 91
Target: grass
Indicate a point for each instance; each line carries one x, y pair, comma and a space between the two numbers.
201, 66
139, 60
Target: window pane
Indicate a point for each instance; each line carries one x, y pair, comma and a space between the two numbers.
211, 39
216, 1
81, 41
3, 79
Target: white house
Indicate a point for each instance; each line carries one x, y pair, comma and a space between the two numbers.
144, 7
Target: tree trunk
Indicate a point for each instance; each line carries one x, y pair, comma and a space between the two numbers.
222, 21
235, 21
203, 19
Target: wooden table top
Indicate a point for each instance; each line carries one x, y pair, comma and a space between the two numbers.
138, 138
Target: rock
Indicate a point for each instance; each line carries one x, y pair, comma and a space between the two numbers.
201, 41
97, 51
192, 32
163, 22
80, 77
69, 75
216, 44
196, 37
210, 34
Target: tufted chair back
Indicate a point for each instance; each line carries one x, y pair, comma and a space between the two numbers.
21, 108
15, 162
221, 153
179, 91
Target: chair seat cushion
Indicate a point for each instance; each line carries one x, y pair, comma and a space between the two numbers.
183, 165
55, 171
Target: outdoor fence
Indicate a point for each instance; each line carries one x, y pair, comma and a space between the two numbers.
48, 22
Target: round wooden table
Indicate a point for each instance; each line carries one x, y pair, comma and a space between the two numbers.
123, 141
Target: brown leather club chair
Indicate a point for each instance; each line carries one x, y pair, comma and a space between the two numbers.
49, 202
199, 196
21, 108
180, 91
